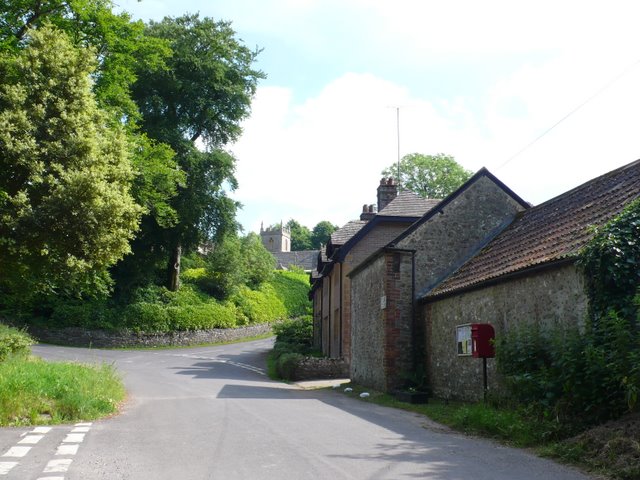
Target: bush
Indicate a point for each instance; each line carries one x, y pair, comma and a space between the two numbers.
287, 364
578, 378
293, 290
13, 342
260, 306
298, 332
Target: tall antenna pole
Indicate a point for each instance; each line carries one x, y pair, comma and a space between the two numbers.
398, 135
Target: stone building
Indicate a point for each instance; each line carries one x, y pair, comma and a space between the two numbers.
348, 246
386, 332
483, 255
277, 240
527, 273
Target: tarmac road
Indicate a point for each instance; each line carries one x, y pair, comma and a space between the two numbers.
212, 413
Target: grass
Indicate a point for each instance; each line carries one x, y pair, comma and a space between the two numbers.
611, 450
35, 392
509, 426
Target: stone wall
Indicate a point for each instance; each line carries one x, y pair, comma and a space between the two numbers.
550, 297
80, 337
312, 368
447, 239
367, 329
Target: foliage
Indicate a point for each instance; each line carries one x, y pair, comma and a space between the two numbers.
13, 342
66, 213
202, 94
321, 234
294, 341
156, 309
297, 332
577, 378
224, 268
293, 289
611, 262
300, 236
119, 43
258, 263
259, 306
592, 375
430, 176
33, 391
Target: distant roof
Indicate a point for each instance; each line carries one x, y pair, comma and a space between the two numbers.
552, 231
408, 204
343, 234
305, 259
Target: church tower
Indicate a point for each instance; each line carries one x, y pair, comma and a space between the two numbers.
277, 238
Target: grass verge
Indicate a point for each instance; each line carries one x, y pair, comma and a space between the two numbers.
611, 450
35, 392
511, 427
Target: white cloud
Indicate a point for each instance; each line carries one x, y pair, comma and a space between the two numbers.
321, 160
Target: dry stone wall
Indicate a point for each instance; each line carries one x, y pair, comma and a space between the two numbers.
80, 337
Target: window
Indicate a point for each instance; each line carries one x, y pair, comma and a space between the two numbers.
463, 339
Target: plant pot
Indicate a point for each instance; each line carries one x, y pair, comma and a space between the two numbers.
412, 397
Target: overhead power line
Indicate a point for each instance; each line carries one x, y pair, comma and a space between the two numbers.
598, 92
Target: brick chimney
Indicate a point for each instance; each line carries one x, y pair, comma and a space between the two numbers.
387, 191
368, 212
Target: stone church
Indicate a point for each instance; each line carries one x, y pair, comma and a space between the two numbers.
277, 240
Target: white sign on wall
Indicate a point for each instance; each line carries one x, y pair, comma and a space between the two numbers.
463, 339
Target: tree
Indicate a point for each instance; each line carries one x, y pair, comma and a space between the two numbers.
201, 96
237, 261
430, 176
259, 264
300, 236
119, 46
321, 234
66, 211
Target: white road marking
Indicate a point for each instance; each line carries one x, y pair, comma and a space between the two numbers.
58, 466
50, 478
5, 467
80, 430
67, 449
74, 438
86, 424
258, 370
41, 430
17, 452
31, 439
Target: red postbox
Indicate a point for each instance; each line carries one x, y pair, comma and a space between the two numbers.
482, 335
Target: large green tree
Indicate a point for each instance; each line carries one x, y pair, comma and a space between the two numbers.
120, 46
119, 43
195, 105
66, 212
300, 236
430, 176
321, 233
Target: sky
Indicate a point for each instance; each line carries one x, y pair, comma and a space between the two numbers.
486, 82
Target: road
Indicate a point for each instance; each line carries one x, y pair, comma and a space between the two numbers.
212, 413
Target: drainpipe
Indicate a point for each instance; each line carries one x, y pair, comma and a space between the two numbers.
341, 308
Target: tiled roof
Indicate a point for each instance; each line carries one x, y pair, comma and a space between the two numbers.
342, 235
552, 231
408, 204
305, 259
